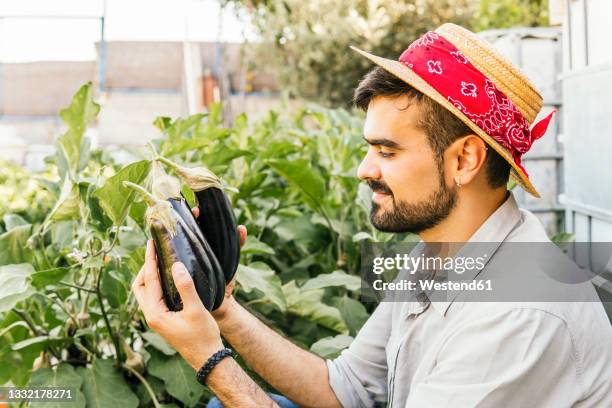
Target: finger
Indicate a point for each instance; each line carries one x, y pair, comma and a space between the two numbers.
138, 287
139, 279
229, 288
195, 211
152, 286
186, 288
242, 231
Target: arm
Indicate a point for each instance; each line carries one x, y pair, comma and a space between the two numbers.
514, 358
235, 388
298, 374
356, 378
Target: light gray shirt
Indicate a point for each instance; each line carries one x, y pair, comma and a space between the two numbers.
475, 354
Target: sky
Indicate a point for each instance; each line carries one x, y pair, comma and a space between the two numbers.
28, 33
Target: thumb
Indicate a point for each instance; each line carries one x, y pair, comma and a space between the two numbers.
184, 285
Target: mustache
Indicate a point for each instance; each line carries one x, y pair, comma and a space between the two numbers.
379, 187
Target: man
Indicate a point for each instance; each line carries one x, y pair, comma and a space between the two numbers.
447, 125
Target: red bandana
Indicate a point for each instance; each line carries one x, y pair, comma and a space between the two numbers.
449, 72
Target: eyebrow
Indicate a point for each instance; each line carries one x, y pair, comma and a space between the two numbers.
382, 142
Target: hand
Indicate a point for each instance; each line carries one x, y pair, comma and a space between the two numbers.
192, 331
228, 301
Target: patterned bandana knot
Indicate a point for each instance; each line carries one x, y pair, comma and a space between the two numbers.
438, 62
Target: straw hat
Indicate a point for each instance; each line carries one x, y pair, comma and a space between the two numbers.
483, 60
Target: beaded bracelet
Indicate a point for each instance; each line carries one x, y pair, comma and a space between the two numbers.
212, 362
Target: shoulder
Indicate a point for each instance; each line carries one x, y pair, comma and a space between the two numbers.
528, 229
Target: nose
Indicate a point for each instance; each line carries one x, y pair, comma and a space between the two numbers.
368, 168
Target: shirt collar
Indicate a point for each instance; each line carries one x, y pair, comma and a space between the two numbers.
493, 231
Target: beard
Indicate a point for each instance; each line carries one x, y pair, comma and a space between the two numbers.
413, 217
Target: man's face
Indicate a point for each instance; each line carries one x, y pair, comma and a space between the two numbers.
410, 190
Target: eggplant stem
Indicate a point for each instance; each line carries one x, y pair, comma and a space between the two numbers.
145, 383
148, 197
153, 150
167, 162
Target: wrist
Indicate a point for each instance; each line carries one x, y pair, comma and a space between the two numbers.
202, 354
225, 312
211, 364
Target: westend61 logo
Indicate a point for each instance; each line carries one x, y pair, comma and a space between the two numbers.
412, 264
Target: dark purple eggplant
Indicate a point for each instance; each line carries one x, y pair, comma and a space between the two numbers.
175, 241
216, 219
182, 208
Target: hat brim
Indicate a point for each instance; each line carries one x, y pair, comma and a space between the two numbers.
407, 75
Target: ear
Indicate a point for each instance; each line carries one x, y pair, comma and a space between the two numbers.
468, 155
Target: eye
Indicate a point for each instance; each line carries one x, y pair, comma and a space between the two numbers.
385, 155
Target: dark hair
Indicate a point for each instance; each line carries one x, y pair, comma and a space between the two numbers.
440, 125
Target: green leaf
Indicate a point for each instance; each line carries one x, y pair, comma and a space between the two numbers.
77, 116
52, 276
361, 236
14, 285
13, 220
296, 229
62, 234
131, 238
38, 343
15, 366
68, 205
91, 263
179, 377
331, 347
562, 238
112, 290
255, 246
136, 259
337, 226
158, 388
300, 175
250, 183
336, 278
157, 341
137, 212
309, 304
114, 197
353, 312
82, 110
258, 275
364, 197
96, 212
222, 155
162, 122
63, 376
14, 245
104, 386
183, 145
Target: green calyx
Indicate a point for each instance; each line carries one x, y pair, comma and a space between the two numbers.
197, 178
158, 210
162, 185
